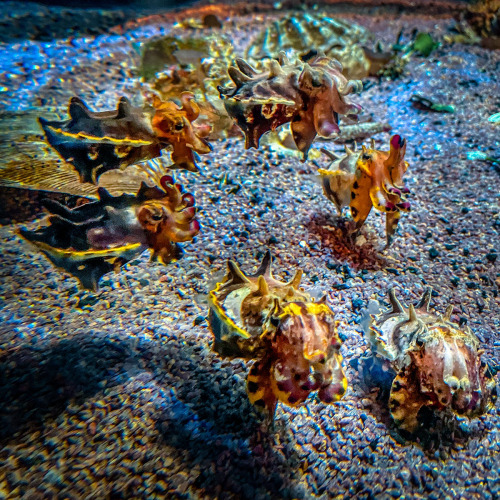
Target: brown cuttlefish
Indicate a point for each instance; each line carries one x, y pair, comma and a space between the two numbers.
98, 237
292, 339
96, 142
308, 95
432, 362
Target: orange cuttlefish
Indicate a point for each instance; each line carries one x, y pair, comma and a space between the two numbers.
370, 178
174, 125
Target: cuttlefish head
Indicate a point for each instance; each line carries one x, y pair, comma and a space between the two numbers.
174, 125
326, 90
306, 350
168, 220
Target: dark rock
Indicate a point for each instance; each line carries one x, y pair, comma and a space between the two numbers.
357, 304
491, 257
433, 253
341, 286
198, 320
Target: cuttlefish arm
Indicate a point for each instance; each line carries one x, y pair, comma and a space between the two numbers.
406, 399
259, 386
361, 201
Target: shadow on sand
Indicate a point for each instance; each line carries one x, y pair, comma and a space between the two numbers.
336, 235
206, 412
39, 382
209, 416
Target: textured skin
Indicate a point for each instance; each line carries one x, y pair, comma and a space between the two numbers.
436, 363
370, 178
378, 184
173, 124
292, 340
310, 96
302, 31
95, 142
484, 17
98, 237
201, 74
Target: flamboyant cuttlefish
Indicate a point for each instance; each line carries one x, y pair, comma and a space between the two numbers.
194, 63
370, 178
484, 17
431, 362
307, 33
292, 339
310, 96
98, 237
95, 142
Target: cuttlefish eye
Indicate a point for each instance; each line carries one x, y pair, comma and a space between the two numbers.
365, 156
179, 126
275, 321
157, 216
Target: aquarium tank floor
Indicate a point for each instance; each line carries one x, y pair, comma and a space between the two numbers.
118, 394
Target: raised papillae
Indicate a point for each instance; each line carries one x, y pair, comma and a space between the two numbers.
97, 237
291, 339
173, 125
484, 17
95, 142
370, 178
306, 32
310, 96
434, 362
194, 63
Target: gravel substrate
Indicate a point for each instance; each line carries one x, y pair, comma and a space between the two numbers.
118, 395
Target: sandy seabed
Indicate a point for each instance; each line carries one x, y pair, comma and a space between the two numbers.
118, 394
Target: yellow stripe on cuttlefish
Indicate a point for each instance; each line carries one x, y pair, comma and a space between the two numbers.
112, 140
293, 309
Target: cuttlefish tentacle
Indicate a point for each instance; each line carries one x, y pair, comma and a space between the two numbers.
291, 337
391, 225
406, 399
303, 132
381, 200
